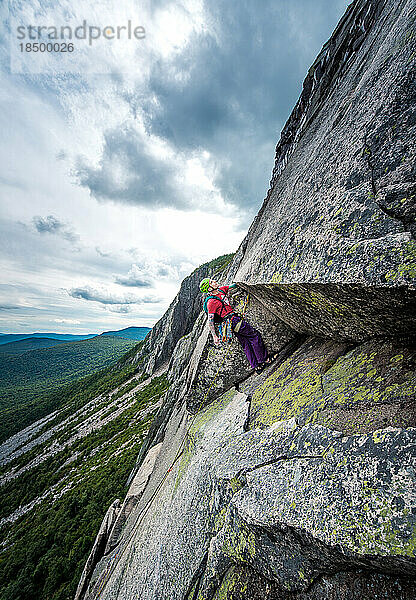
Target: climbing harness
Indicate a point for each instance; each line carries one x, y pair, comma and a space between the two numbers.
115, 559
225, 331
225, 327
238, 325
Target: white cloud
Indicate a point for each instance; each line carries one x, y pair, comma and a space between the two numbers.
136, 277
54, 226
104, 296
66, 321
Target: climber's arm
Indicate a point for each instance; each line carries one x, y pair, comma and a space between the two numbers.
212, 329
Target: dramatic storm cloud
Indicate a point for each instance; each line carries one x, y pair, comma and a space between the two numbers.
128, 163
230, 86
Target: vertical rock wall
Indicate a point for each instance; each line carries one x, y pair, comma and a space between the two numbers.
300, 483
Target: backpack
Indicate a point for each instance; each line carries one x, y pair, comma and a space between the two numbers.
214, 298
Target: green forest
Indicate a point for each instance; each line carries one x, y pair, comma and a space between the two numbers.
46, 550
31, 383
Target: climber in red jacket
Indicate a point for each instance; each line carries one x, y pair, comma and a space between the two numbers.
219, 310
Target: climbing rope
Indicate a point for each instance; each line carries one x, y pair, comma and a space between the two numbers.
112, 563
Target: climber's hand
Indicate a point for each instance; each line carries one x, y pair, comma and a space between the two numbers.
216, 341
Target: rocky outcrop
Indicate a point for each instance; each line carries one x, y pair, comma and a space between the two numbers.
170, 343
99, 546
300, 482
289, 503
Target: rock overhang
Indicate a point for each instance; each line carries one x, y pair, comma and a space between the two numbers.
342, 311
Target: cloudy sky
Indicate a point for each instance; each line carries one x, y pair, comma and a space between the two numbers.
127, 163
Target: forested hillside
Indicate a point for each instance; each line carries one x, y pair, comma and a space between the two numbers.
21, 346
53, 494
29, 381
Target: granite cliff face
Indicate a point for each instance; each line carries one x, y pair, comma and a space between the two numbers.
300, 482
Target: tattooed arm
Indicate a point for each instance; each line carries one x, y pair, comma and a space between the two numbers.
212, 329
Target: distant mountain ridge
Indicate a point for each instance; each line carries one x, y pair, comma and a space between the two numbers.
131, 333
66, 337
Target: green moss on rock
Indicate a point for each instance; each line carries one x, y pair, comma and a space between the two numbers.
210, 412
294, 389
239, 542
406, 263
231, 586
365, 389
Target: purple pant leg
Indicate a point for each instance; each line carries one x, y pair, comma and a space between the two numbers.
251, 342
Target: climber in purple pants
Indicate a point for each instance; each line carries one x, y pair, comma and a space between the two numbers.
251, 342
219, 310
